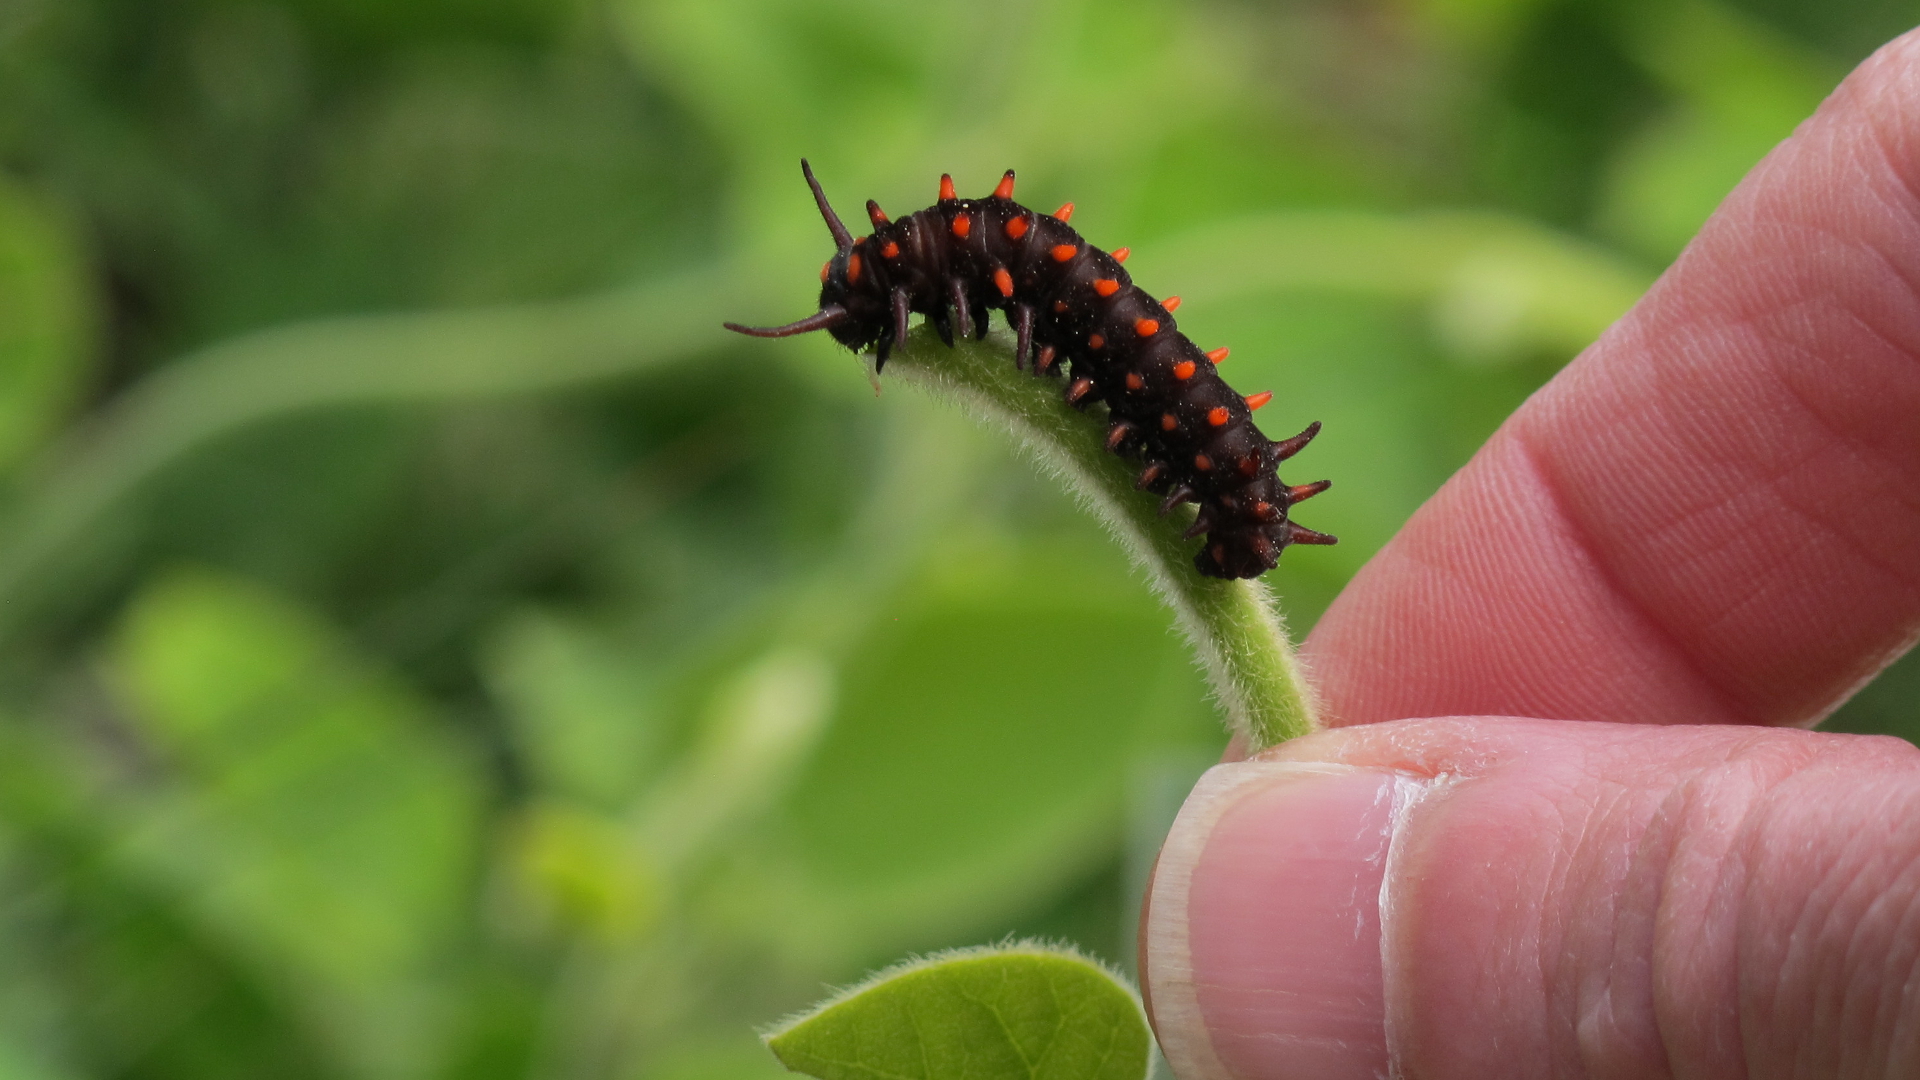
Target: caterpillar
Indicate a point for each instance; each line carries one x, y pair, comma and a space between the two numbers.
1073, 307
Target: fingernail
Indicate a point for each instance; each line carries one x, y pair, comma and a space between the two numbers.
1263, 930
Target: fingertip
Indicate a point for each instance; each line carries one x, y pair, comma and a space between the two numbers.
1261, 940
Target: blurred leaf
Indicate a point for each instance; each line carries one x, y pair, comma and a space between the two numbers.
45, 315
585, 871
315, 818
582, 711
1006, 1013
1499, 288
760, 725
369, 359
1741, 89
987, 726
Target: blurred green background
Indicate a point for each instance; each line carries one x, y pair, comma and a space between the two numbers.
431, 648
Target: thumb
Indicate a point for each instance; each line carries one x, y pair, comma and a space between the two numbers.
1490, 897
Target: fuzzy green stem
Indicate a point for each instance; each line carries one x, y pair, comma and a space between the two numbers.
1234, 626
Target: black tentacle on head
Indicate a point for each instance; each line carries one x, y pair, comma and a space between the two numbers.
1068, 300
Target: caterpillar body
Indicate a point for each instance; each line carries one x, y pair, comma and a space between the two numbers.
1074, 311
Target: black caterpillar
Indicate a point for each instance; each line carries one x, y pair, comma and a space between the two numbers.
960, 258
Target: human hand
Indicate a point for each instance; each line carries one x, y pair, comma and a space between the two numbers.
1710, 520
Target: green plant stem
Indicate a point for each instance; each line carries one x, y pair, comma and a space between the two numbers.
1234, 626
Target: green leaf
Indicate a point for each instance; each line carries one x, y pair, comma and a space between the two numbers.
44, 310
1018, 1012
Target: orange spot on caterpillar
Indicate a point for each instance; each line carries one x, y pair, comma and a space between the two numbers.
1004, 282
1146, 327
1218, 416
962, 225
824, 267
1202, 462
1184, 370
1106, 286
1016, 228
853, 269
1219, 355
1045, 359
1249, 465
1065, 213
1005, 188
875, 214
946, 187
1264, 511
1120, 254
1220, 553
1096, 341
1063, 252
1168, 421
892, 250
1134, 382
1059, 307
1254, 401
1171, 303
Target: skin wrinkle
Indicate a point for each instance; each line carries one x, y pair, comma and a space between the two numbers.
1818, 703
1862, 945
1575, 533
1738, 787
1710, 837
1636, 927
1500, 499
1780, 990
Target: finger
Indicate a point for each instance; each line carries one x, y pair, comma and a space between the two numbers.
1714, 513
1495, 897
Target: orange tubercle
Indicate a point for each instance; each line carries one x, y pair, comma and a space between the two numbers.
1096, 341
1218, 416
946, 187
1106, 286
1219, 355
962, 225
853, 269
1016, 228
1168, 421
1254, 401
892, 250
1004, 282
824, 268
1134, 382
1146, 327
1059, 307
1004, 190
1184, 370
1171, 303
1202, 462
1063, 252
1120, 254
1065, 213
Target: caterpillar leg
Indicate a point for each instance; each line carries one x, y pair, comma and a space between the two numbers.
962, 311
900, 312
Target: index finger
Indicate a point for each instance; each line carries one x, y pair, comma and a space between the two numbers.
1713, 514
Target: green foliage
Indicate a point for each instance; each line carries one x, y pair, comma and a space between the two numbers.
431, 647
45, 322
1007, 1013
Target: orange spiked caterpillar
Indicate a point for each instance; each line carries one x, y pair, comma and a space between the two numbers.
960, 259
